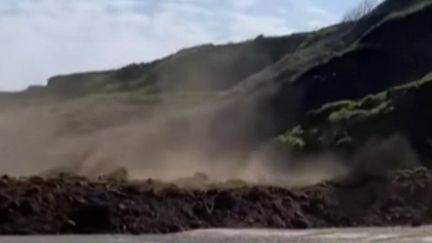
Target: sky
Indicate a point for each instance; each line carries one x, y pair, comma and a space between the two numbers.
42, 38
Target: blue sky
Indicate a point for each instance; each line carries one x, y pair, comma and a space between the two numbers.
40, 38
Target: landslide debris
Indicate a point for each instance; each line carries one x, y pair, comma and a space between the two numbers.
73, 205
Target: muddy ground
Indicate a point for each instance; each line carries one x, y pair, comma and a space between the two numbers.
72, 205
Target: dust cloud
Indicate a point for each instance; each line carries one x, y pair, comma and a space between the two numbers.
169, 135
169, 144
166, 144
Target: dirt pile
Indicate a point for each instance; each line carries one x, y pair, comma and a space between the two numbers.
76, 205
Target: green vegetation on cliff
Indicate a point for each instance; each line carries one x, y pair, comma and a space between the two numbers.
348, 124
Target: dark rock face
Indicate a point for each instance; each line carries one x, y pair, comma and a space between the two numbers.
75, 205
394, 52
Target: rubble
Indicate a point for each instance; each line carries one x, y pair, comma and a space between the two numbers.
74, 205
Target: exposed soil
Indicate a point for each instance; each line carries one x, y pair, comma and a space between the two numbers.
76, 205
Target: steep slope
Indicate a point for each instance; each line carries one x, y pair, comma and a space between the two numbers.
202, 68
387, 47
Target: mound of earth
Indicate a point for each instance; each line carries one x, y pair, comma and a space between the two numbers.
76, 205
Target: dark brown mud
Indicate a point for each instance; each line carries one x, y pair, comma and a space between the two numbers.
69, 205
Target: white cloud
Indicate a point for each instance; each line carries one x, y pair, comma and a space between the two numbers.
40, 38
243, 5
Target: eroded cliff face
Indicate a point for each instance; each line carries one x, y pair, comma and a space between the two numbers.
218, 106
348, 61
